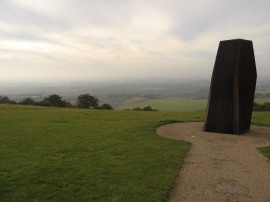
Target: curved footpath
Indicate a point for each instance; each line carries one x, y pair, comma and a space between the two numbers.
220, 167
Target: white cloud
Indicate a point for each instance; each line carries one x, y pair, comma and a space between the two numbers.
99, 39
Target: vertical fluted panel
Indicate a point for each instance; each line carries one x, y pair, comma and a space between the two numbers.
232, 88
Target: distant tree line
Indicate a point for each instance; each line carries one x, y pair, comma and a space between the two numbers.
262, 95
85, 101
6, 100
148, 108
261, 107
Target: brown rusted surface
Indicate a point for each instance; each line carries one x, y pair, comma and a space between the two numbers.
232, 88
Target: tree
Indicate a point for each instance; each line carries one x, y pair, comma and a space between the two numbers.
257, 106
28, 101
105, 106
261, 107
137, 109
87, 101
148, 108
266, 106
53, 101
6, 100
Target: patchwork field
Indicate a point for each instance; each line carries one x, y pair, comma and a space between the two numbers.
87, 155
175, 104
262, 100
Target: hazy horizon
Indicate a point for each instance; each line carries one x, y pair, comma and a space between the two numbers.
113, 40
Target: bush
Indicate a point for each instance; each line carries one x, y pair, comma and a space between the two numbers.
148, 108
137, 109
6, 100
53, 101
257, 106
264, 107
105, 106
28, 101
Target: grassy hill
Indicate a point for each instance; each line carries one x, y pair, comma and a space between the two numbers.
87, 155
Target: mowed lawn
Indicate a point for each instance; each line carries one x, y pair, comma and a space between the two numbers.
265, 151
52, 154
263, 119
87, 155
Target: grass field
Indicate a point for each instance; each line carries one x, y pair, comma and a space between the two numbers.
52, 154
176, 104
173, 104
265, 151
262, 118
86, 155
262, 100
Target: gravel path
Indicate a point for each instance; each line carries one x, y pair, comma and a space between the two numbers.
220, 167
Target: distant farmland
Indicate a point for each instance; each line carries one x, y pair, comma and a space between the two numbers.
176, 104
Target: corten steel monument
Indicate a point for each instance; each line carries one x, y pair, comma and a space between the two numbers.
232, 88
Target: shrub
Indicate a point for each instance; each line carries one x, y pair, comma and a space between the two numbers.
6, 100
105, 106
266, 106
28, 101
257, 106
137, 109
148, 108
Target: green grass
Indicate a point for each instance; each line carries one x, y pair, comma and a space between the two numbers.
261, 118
265, 151
130, 102
86, 155
173, 104
262, 100
53, 154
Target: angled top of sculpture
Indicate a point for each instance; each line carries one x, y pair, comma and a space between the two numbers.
232, 88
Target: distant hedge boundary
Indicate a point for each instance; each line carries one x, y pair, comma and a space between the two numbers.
261, 107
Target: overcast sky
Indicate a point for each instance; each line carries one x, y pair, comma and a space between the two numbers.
58, 40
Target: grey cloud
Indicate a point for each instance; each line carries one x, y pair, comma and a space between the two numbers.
20, 36
92, 13
26, 53
217, 14
192, 24
21, 16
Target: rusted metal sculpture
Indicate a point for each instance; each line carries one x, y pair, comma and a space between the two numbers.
232, 89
